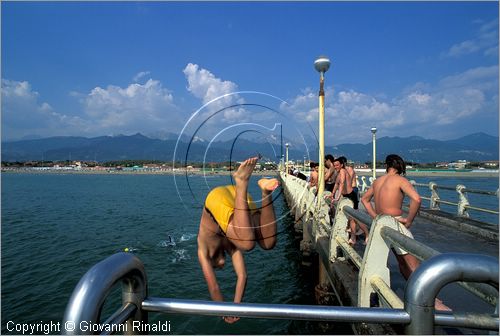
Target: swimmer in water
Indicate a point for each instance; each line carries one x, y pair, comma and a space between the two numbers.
231, 224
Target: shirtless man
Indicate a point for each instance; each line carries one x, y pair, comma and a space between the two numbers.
343, 184
330, 173
388, 192
230, 223
313, 177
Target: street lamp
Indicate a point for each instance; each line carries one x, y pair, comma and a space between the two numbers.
374, 140
322, 64
286, 163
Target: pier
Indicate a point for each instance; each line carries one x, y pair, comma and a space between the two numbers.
365, 276
357, 285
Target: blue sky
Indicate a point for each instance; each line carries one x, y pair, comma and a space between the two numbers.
92, 68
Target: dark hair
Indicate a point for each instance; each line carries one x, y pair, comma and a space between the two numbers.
313, 164
396, 162
343, 159
329, 157
339, 160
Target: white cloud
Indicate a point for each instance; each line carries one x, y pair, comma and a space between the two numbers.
140, 75
136, 108
422, 110
23, 114
485, 40
217, 93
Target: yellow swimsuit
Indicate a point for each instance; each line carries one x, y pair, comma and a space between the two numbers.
220, 204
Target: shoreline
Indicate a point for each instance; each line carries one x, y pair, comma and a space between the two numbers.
225, 173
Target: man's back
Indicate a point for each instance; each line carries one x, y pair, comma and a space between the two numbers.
388, 194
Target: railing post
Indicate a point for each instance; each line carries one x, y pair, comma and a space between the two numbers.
434, 205
364, 185
85, 303
463, 202
427, 280
340, 222
371, 179
375, 259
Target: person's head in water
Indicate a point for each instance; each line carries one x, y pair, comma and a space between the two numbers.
396, 162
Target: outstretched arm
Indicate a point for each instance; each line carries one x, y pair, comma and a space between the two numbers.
208, 272
366, 200
241, 274
241, 282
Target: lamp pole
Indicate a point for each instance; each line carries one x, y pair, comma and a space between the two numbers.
374, 140
286, 163
322, 64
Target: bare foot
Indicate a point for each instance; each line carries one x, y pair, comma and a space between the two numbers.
242, 175
268, 184
352, 242
439, 305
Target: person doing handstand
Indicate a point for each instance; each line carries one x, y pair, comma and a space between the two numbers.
231, 223
388, 193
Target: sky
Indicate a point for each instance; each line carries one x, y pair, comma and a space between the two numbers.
426, 69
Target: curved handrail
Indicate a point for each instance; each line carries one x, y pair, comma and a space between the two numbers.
427, 280
91, 291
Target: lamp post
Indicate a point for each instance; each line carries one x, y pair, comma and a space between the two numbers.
374, 140
286, 163
304, 163
322, 64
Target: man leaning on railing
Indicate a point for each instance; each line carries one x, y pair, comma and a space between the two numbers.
388, 193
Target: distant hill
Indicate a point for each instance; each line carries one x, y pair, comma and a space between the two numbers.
474, 147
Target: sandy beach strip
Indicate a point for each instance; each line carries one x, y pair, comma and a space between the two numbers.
422, 173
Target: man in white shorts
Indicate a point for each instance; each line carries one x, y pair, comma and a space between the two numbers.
388, 192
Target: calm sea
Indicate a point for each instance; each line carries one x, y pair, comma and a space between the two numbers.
56, 226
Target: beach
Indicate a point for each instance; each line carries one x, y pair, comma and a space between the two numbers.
409, 173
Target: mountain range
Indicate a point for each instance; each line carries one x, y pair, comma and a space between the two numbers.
473, 147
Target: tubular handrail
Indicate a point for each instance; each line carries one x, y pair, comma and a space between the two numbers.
254, 310
277, 311
338, 240
91, 291
427, 280
420, 251
418, 314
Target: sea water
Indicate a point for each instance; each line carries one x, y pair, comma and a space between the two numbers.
56, 226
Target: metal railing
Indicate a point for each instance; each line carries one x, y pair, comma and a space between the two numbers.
373, 274
416, 310
462, 203
418, 314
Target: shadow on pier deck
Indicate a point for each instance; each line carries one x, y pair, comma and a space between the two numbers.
368, 276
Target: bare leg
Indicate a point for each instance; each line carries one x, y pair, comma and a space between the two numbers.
240, 230
407, 265
266, 227
365, 230
352, 232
